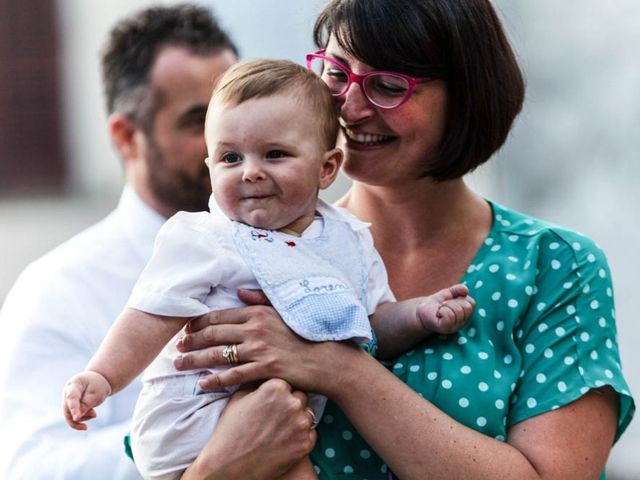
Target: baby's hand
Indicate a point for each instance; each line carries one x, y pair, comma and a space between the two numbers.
447, 310
81, 394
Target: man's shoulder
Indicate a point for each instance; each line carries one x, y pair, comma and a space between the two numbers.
100, 252
91, 274
93, 244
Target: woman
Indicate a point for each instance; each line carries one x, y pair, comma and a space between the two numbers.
531, 387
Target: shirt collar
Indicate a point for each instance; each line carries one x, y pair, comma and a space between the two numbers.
341, 214
325, 210
140, 222
214, 208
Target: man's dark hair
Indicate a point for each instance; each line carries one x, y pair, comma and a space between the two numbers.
461, 42
134, 44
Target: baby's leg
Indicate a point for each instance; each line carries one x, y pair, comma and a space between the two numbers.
172, 422
446, 311
303, 470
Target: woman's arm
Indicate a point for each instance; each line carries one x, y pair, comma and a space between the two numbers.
408, 432
416, 438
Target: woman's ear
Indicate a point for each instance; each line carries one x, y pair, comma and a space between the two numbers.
331, 163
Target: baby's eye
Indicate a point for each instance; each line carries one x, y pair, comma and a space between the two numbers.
231, 158
277, 154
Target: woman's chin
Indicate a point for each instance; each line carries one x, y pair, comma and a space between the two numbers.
363, 170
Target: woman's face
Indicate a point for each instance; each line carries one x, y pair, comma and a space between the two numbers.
388, 147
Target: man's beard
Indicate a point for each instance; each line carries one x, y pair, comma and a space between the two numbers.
176, 188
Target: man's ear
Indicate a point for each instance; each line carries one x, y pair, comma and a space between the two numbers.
124, 134
332, 161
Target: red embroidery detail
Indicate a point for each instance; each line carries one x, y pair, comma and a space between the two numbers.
291, 244
262, 235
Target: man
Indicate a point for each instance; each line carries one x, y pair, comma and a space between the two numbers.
158, 71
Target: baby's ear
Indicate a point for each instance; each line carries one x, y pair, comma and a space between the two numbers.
331, 163
207, 162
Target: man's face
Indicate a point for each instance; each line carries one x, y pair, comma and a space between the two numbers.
174, 149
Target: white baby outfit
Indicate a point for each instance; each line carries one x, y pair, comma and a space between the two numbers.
324, 284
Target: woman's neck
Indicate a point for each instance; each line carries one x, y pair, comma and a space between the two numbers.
423, 211
427, 227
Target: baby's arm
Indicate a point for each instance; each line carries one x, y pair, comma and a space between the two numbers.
133, 342
400, 325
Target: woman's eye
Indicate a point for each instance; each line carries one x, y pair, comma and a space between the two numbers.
387, 85
231, 158
391, 90
335, 73
277, 154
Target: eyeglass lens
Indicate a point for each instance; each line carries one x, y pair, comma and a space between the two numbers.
382, 89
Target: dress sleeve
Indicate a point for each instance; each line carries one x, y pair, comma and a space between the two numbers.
567, 337
184, 267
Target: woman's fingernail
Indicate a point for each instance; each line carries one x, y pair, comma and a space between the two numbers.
178, 362
204, 381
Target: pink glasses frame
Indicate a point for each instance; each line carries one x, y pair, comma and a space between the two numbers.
359, 79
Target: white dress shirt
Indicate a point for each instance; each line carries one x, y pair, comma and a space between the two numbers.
52, 322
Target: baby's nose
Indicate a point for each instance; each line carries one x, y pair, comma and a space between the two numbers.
253, 173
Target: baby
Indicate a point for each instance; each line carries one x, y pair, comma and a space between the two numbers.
271, 131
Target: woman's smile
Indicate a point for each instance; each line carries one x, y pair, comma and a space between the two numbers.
358, 135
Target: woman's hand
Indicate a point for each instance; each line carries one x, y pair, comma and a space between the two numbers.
266, 348
261, 434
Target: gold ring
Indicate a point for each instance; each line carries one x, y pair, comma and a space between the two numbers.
230, 353
312, 414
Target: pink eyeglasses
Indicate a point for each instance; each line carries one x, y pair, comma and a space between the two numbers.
383, 89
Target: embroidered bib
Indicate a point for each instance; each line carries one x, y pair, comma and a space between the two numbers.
318, 285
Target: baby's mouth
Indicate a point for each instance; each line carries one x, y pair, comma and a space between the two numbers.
256, 196
368, 139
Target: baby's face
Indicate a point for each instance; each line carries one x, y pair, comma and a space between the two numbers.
267, 162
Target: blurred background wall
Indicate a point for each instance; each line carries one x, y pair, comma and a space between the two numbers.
572, 157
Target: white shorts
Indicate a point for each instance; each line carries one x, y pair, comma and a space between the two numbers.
172, 422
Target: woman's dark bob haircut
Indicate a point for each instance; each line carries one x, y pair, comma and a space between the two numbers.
458, 41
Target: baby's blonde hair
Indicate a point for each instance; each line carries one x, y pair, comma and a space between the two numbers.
263, 77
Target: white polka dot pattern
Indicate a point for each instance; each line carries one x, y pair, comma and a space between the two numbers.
543, 334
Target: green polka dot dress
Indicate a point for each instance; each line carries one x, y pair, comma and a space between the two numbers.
543, 333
